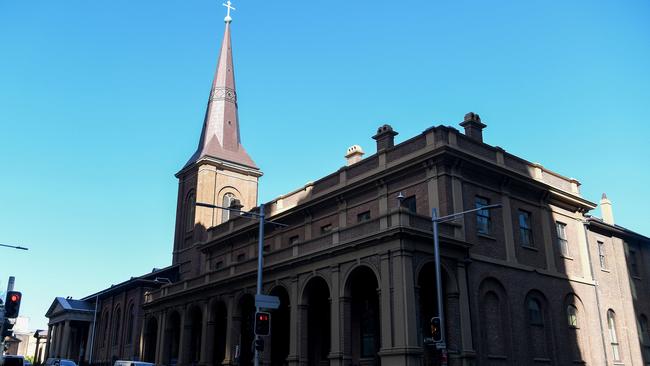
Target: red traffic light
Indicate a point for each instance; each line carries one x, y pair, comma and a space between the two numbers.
263, 317
12, 304
262, 323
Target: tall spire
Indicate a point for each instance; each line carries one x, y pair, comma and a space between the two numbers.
220, 135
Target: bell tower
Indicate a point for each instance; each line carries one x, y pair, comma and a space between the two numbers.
220, 170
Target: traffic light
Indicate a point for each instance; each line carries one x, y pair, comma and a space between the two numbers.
262, 323
12, 304
436, 333
259, 344
6, 329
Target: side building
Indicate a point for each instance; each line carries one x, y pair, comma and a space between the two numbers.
536, 282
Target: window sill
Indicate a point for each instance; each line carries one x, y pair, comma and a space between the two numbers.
486, 236
529, 248
605, 270
566, 257
637, 278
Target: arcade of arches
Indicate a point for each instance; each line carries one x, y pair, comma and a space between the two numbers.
219, 329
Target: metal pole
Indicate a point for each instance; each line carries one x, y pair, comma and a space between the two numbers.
436, 254
260, 264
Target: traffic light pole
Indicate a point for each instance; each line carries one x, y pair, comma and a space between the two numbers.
260, 265
260, 251
435, 220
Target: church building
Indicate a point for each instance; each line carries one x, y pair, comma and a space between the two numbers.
536, 281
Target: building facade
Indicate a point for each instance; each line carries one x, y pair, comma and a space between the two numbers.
536, 282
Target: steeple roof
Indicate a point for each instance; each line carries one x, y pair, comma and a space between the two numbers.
220, 135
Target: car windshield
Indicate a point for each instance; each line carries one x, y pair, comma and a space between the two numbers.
67, 363
13, 361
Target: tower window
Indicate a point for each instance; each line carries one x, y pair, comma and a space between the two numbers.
226, 202
190, 208
410, 204
572, 316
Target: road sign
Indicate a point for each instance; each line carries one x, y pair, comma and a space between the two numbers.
267, 302
441, 345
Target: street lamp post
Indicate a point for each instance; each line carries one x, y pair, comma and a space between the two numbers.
260, 247
436, 253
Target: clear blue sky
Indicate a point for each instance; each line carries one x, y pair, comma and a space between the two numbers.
101, 102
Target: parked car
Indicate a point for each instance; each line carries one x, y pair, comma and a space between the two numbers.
132, 363
10, 360
27, 362
59, 362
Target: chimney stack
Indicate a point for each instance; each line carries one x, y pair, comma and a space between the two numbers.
385, 137
354, 154
473, 126
606, 210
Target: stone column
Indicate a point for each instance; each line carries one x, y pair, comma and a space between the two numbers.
65, 352
346, 320
207, 335
48, 342
294, 339
467, 346
508, 230
548, 239
59, 338
432, 188
385, 308
335, 319
457, 197
160, 338
232, 331
184, 343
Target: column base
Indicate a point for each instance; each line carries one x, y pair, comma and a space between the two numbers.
404, 356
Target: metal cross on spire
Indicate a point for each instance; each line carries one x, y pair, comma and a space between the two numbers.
230, 7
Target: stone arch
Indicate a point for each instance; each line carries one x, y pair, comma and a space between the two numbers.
315, 310
539, 326
305, 283
427, 305
448, 273
129, 324
280, 326
364, 264
362, 315
117, 326
493, 323
150, 339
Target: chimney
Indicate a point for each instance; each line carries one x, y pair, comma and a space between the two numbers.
606, 210
473, 126
354, 154
385, 137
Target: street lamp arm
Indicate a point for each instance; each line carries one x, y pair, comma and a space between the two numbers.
13, 246
454, 215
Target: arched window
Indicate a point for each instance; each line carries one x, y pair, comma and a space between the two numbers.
227, 201
613, 339
116, 327
572, 316
105, 329
190, 209
129, 325
535, 312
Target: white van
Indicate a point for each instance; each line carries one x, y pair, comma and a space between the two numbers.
132, 363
